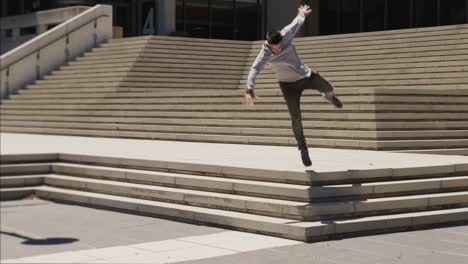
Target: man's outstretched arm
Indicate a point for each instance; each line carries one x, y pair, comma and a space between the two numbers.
258, 65
290, 31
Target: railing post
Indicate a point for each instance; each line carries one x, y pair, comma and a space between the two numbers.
38, 66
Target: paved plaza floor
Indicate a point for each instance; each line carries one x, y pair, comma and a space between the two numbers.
38, 231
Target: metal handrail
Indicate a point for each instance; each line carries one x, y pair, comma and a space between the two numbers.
52, 41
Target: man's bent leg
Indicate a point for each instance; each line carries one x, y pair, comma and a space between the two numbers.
317, 82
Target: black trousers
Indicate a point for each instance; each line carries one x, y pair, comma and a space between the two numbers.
292, 92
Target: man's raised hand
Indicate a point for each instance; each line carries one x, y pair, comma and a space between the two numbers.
305, 9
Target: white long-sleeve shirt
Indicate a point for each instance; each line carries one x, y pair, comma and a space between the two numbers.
287, 65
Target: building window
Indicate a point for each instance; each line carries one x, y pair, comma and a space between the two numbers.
248, 19
51, 26
398, 14
197, 14
425, 13
453, 12
329, 17
180, 18
28, 31
9, 33
13, 7
220, 19
350, 16
374, 15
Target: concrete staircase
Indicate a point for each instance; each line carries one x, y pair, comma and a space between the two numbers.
302, 206
403, 90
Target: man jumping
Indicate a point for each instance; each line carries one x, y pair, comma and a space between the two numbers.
293, 76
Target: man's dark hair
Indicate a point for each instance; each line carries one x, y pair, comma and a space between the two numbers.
274, 37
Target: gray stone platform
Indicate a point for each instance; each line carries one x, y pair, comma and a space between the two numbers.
244, 156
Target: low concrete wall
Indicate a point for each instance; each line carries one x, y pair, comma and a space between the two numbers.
48, 51
11, 26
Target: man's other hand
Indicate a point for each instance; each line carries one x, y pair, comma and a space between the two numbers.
305, 9
249, 97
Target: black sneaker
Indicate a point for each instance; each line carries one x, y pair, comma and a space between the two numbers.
305, 158
336, 102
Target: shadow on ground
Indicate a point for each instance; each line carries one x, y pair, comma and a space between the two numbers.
41, 242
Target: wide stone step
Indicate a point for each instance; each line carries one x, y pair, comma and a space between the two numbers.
206, 75
393, 144
266, 99
272, 132
177, 46
336, 77
370, 73
233, 123
153, 76
311, 211
138, 78
229, 53
168, 59
243, 75
317, 62
176, 65
314, 124
396, 44
403, 50
382, 83
143, 90
126, 86
158, 69
262, 206
379, 38
309, 178
155, 56
241, 114
323, 106
283, 191
450, 44
232, 139
199, 42
303, 231
237, 105
267, 92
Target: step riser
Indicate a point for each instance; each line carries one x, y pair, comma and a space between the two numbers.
20, 169
331, 211
180, 215
236, 124
291, 232
318, 106
7, 195
13, 182
237, 205
313, 194
328, 178
458, 116
252, 140
285, 132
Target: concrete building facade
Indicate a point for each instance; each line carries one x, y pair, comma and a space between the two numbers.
251, 19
